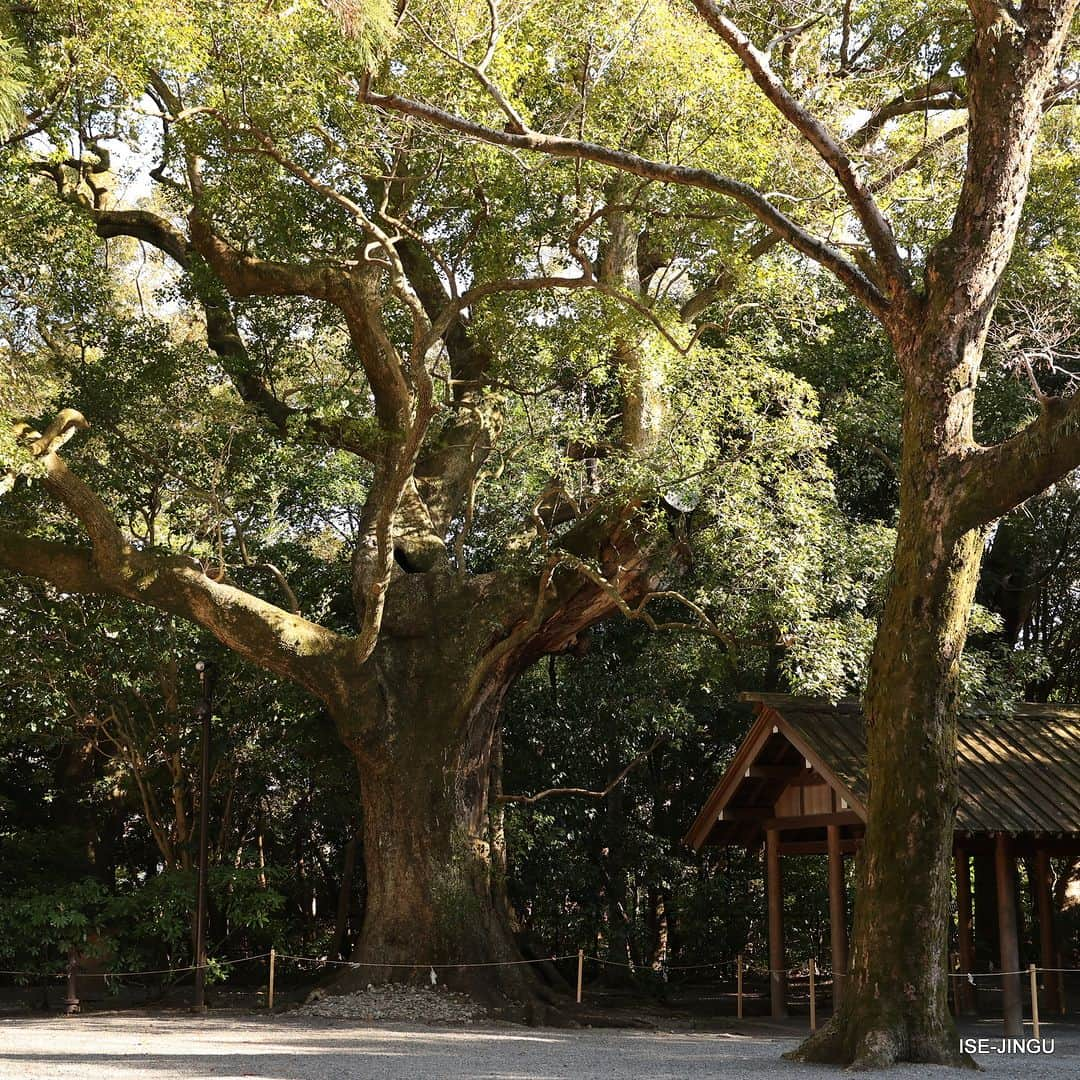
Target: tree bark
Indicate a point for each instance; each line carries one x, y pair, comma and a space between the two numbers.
424, 733
433, 888
897, 1008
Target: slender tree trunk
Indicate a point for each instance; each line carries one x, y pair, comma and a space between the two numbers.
898, 1005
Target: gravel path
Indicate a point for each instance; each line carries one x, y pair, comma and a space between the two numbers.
182, 1047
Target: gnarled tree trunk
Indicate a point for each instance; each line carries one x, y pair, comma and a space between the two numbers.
424, 728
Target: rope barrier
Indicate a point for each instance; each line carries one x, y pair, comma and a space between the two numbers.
790, 973
970, 976
146, 971
36, 974
422, 963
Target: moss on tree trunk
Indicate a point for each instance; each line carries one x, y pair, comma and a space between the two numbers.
424, 729
897, 1007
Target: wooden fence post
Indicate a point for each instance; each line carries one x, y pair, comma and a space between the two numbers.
738, 986
813, 995
580, 970
1034, 999
71, 1002
270, 989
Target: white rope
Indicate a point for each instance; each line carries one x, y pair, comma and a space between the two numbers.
422, 963
971, 976
118, 974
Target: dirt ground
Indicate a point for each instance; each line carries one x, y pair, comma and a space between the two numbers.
181, 1046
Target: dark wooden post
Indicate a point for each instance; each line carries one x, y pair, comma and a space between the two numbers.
1012, 1004
837, 913
964, 991
775, 890
71, 1002
985, 924
1047, 937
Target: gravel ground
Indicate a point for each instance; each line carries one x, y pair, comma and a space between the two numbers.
182, 1047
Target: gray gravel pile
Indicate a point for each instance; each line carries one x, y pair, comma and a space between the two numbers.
395, 1001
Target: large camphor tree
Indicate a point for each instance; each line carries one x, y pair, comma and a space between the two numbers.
466, 396
847, 86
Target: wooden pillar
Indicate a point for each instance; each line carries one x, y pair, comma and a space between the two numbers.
1047, 937
964, 992
775, 889
1012, 1004
985, 915
837, 913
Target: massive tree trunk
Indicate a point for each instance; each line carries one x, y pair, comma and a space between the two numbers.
432, 896
424, 729
899, 1007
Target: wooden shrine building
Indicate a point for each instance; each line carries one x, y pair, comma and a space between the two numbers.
798, 784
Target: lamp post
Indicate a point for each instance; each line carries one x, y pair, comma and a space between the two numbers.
202, 713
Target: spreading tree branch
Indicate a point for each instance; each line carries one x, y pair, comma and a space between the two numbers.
267, 635
686, 176
877, 227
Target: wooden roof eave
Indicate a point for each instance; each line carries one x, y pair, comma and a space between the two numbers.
759, 734
796, 739
767, 723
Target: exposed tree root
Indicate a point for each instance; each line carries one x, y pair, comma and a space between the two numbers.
864, 1043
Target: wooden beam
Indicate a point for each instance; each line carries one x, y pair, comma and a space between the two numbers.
1047, 937
964, 991
773, 772
848, 846
1004, 873
812, 821
775, 891
837, 914
745, 813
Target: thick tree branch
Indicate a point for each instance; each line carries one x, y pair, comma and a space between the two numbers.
246, 275
996, 479
225, 340
275, 639
704, 179
877, 227
145, 226
69, 569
